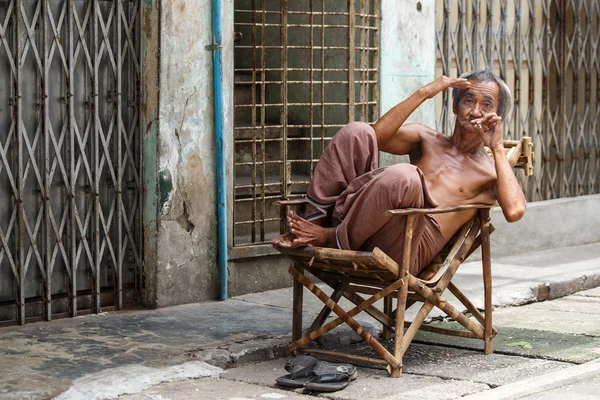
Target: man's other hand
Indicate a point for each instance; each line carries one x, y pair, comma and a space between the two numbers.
443, 83
490, 130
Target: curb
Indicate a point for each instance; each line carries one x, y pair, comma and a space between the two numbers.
539, 384
555, 290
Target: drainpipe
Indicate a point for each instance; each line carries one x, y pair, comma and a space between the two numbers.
216, 48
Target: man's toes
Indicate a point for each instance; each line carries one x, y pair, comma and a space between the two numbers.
296, 218
298, 243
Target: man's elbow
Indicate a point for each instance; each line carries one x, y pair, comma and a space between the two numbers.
515, 213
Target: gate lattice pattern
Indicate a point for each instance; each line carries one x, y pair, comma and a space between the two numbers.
303, 69
548, 53
70, 177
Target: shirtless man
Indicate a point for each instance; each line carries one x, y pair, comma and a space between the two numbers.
353, 193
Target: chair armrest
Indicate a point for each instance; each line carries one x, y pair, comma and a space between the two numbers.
438, 210
520, 154
283, 203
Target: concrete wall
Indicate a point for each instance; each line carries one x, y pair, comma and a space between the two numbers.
179, 114
407, 59
547, 225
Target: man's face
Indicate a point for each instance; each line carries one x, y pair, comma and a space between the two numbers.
481, 98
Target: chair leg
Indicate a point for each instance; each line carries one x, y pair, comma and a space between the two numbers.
469, 306
346, 317
297, 307
399, 337
387, 310
416, 323
434, 299
354, 298
310, 336
371, 310
484, 215
325, 312
399, 340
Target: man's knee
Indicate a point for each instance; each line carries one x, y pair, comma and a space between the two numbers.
404, 183
402, 172
358, 130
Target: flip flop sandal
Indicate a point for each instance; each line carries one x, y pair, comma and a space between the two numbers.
332, 377
301, 370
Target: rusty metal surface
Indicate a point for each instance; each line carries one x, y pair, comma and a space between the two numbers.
548, 53
303, 69
70, 159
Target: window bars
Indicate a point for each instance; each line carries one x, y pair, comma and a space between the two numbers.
547, 51
302, 70
70, 158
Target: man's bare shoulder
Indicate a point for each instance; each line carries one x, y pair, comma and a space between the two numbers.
430, 142
424, 131
427, 135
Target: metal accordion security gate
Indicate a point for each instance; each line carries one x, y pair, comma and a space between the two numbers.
548, 53
303, 69
70, 157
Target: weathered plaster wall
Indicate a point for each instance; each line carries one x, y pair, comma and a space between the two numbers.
407, 58
186, 229
184, 269
150, 82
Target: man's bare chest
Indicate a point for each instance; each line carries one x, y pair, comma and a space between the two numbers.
456, 176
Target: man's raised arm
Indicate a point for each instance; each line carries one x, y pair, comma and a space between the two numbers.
391, 137
508, 192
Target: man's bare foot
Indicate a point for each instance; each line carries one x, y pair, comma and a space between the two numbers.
305, 233
285, 240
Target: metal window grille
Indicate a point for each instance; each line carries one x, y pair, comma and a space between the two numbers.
303, 69
70, 178
547, 51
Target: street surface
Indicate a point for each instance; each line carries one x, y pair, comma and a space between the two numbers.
235, 349
538, 342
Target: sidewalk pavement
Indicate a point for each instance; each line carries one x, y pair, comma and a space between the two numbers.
536, 360
45, 359
536, 357
579, 382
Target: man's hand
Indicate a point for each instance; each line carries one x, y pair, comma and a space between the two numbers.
443, 83
508, 192
490, 130
390, 137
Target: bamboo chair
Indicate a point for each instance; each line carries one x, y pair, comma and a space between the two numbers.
367, 277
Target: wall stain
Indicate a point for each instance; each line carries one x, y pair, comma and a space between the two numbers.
148, 23
195, 163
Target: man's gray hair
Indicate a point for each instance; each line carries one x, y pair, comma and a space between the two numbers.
504, 99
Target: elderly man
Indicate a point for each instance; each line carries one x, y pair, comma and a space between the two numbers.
349, 193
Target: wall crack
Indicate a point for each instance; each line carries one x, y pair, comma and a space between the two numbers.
184, 219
